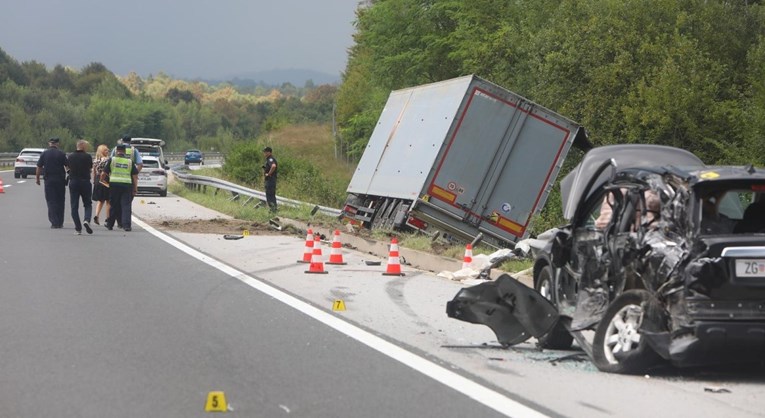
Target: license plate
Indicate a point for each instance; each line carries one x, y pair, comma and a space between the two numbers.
750, 268
144, 178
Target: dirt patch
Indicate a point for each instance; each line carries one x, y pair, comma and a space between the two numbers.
217, 226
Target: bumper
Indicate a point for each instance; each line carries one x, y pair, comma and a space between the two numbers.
713, 342
25, 170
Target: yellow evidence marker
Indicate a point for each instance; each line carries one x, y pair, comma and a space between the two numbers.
216, 402
246, 233
338, 305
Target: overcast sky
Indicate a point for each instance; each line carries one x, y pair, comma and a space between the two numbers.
183, 38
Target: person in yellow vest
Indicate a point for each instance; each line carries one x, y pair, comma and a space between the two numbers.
123, 186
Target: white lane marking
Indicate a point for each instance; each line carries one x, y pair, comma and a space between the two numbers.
21, 181
482, 394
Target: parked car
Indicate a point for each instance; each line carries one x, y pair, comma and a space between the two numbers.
153, 176
150, 147
194, 156
663, 258
26, 162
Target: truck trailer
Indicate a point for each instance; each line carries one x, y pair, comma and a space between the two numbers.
460, 159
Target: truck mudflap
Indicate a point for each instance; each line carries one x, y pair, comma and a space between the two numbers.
511, 309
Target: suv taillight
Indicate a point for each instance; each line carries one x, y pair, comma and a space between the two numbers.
159, 172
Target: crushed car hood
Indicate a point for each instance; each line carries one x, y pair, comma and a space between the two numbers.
625, 156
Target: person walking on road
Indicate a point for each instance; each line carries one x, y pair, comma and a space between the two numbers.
123, 186
80, 166
270, 170
100, 189
53, 162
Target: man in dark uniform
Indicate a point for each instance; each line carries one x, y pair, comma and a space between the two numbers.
269, 168
123, 185
54, 162
80, 166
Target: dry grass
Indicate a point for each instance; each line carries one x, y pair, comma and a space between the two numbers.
312, 142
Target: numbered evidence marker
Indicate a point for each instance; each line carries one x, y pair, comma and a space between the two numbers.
338, 305
216, 402
246, 233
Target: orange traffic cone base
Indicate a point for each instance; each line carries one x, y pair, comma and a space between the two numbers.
316, 272
394, 274
335, 263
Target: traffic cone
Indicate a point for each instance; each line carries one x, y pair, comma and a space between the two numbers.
468, 258
394, 266
317, 264
335, 254
308, 252
1, 186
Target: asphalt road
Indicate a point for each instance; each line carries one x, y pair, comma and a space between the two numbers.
182, 314
123, 324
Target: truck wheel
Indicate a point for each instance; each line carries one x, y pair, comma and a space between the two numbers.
558, 338
16, 175
618, 346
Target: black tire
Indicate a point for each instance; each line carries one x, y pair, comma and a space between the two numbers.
163, 193
608, 347
558, 338
16, 175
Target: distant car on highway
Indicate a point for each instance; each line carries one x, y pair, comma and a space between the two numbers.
26, 162
194, 156
153, 177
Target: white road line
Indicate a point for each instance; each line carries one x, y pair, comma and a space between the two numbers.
482, 394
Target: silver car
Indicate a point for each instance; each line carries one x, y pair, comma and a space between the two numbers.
26, 162
153, 176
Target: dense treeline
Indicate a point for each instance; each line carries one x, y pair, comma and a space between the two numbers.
93, 103
687, 73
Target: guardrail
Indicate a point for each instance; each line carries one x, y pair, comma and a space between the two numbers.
8, 158
237, 191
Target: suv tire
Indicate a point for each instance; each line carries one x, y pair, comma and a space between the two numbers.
618, 346
558, 338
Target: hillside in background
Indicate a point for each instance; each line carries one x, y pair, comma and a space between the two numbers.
296, 77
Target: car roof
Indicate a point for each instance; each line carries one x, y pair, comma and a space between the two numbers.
147, 141
625, 156
32, 150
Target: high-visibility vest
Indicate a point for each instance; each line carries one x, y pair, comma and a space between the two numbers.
120, 170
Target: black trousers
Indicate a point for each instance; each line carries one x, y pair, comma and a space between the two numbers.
121, 201
80, 189
271, 193
55, 197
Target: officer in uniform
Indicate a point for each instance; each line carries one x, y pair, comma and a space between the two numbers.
269, 169
123, 185
53, 161
130, 151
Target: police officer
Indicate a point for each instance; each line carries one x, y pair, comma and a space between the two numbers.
53, 161
270, 169
123, 185
130, 151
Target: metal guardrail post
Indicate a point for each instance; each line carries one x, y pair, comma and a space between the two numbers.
237, 191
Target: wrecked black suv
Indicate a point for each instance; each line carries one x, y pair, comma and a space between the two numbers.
664, 259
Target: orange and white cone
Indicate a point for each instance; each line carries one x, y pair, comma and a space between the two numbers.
336, 254
394, 265
308, 252
317, 264
468, 258
1, 186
